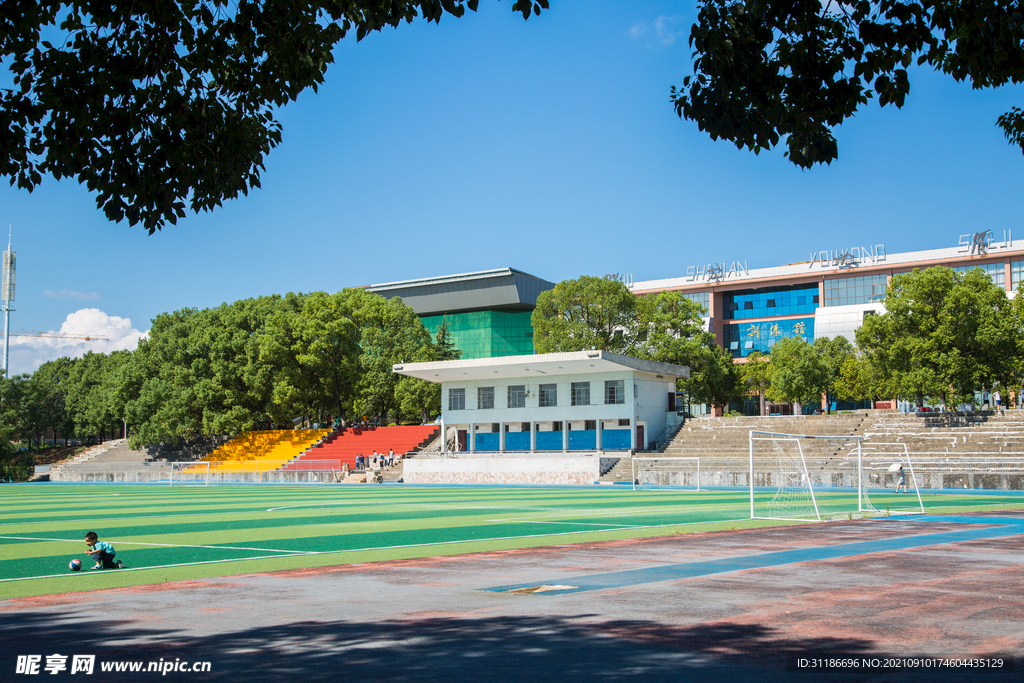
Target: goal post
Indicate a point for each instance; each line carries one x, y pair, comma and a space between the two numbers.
804, 477
190, 474
653, 473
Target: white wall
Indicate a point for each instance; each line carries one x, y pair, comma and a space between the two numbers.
502, 470
833, 321
648, 404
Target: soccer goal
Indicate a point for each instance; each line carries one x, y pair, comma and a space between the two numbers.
803, 477
190, 474
654, 473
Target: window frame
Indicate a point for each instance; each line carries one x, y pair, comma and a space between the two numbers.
578, 391
614, 392
519, 392
481, 395
452, 394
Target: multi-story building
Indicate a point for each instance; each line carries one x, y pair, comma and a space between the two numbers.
487, 312
827, 295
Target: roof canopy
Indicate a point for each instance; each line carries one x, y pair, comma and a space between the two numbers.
536, 366
488, 289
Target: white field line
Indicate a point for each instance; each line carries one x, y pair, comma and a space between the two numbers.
430, 506
173, 515
364, 550
615, 512
165, 545
169, 515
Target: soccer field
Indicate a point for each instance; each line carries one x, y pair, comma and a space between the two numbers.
171, 533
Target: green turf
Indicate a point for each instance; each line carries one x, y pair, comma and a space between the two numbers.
168, 534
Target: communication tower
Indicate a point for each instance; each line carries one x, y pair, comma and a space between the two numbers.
7, 297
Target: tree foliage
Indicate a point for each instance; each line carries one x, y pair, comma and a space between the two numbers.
159, 106
944, 333
798, 373
756, 374
767, 71
591, 312
834, 353
588, 313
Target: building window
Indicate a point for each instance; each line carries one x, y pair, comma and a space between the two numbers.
548, 395
581, 393
556, 426
995, 271
624, 423
456, 399
517, 396
1016, 274
495, 427
770, 301
741, 339
590, 425
485, 398
524, 427
848, 291
700, 298
614, 392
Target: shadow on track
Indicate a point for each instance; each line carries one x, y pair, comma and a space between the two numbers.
442, 650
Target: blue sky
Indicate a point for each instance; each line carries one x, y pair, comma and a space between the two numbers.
550, 146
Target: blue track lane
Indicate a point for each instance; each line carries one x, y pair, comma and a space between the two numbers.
998, 527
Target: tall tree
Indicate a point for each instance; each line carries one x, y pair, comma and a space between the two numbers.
834, 353
443, 342
390, 332
159, 106
588, 312
714, 378
943, 334
756, 374
798, 374
768, 71
314, 346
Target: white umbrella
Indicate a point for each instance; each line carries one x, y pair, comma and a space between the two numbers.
895, 467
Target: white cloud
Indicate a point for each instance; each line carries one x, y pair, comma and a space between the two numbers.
28, 353
664, 30
71, 294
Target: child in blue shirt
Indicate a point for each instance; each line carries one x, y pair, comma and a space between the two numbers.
102, 552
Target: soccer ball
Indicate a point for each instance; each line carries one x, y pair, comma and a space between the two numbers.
75, 565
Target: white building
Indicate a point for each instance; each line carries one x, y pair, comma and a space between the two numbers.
561, 402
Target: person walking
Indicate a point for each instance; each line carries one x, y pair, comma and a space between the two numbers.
900, 481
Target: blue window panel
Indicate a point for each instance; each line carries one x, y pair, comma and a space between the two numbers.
761, 336
487, 442
583, 440
615, 439
517, 441
549, 441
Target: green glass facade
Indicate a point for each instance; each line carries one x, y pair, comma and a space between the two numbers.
486, 334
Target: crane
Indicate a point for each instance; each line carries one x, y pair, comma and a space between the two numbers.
57, 335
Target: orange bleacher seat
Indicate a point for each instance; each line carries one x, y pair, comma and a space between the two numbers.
263, 451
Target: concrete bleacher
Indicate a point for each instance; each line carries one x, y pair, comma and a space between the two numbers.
954, 450
345, 445
948, 450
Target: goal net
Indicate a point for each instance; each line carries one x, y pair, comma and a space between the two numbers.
804, 477
655, 473
190, 474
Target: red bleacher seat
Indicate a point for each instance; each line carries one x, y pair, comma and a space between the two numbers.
346, 445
